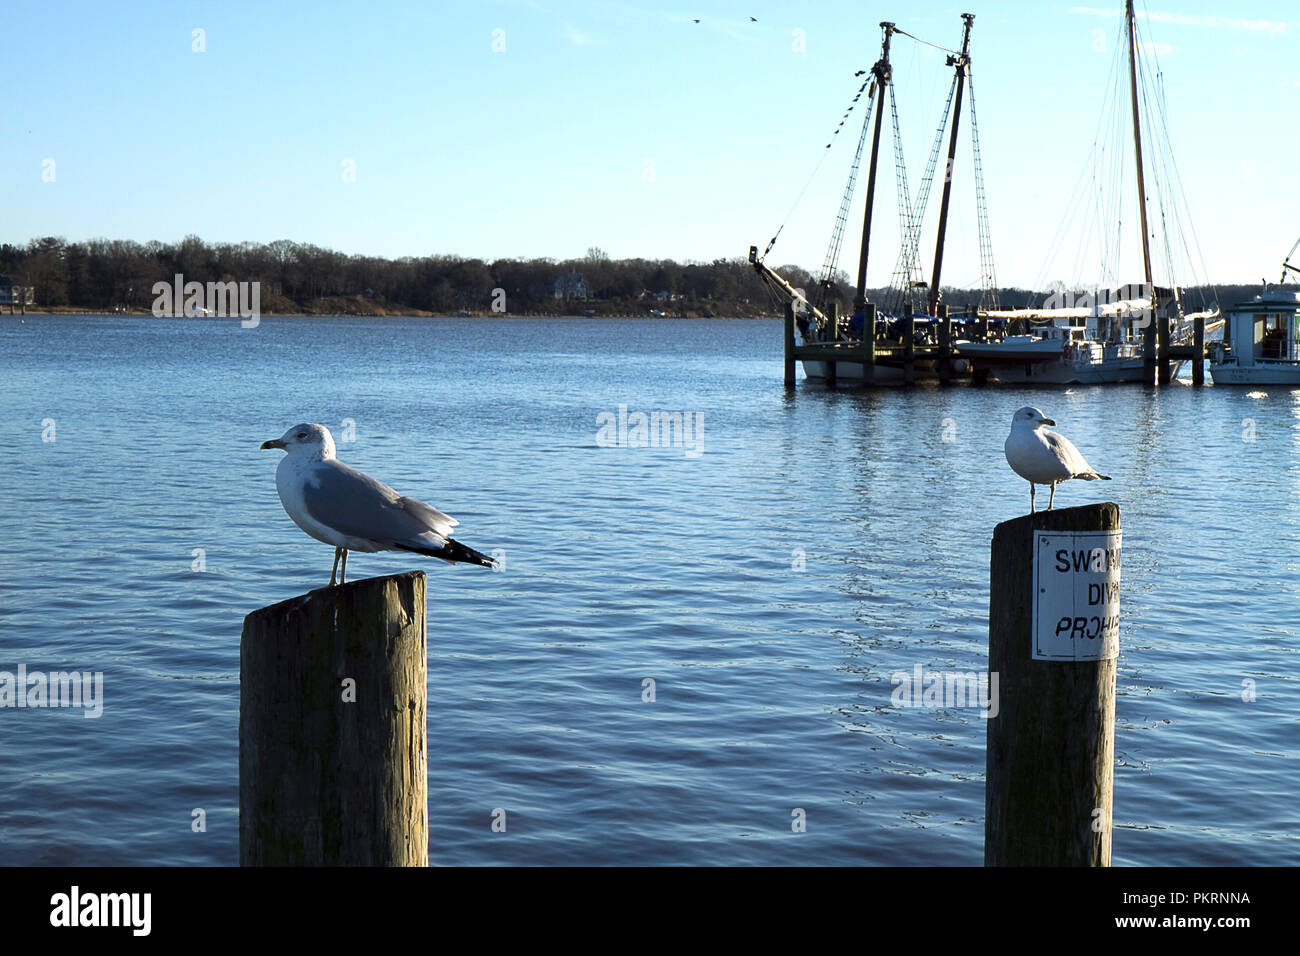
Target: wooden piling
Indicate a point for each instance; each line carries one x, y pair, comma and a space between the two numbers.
830, 363
333, 761
789, 345
1166, 367
1051, 745
869, 343
909, 345
1149, 351
1198, 350
945, 345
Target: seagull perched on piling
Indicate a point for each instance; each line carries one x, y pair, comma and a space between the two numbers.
339, 505
1043, 457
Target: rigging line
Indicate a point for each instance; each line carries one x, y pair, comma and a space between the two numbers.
1159, 158
909, 250
1113, 167
987, 270
1110, 202
1074, 205
927, 42
1161, 191
852, 103
831, 263
1089, 167
904, 284
1182, 194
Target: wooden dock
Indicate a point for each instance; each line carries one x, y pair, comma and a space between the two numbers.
935, 362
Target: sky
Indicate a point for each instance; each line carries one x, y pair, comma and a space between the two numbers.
539, 128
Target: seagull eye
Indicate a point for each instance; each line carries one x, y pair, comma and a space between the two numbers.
300, 435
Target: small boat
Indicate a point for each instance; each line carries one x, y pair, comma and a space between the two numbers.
1261, 345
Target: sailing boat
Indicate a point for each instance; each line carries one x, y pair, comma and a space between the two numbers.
882, 334
1098, 338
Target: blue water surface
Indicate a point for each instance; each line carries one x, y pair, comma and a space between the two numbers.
769, 586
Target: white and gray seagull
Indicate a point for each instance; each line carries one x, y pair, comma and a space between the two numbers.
339, 505
1043, 457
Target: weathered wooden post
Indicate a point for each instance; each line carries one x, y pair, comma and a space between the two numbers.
1198, 350
1053, 645
830, 363
789, 344
909, 344
869, 343
1149, 350
1162, 334
333, 760
945, 344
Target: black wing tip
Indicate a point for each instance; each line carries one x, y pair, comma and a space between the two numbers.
455, 553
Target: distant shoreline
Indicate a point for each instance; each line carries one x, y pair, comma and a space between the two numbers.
66, 311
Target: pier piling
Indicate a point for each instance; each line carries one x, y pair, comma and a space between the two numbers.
1198, 350
1162, 334
789, 345
333, 760
1149, 353
1051, 742
869, 343
945, 345
909, 345
833, 313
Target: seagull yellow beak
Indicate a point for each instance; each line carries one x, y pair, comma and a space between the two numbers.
273, 443
1041, 421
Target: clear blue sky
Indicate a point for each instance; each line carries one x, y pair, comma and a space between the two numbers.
620, 125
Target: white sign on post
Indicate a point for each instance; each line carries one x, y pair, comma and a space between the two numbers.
1076, 595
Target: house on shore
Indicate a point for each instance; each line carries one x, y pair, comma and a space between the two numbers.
14, 295
571, 286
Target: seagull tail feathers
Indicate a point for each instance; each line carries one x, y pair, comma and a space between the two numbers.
1093, 476
454, 552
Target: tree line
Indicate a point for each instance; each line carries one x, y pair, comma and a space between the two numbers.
118, 274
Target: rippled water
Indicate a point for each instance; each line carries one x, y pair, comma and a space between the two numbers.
772, 683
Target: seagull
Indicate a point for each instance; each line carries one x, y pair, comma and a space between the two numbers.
1043, 457
339, 505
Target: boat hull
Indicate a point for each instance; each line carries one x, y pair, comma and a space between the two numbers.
1050, 364
854, 373
1012, 352
1062, 372
1283, 373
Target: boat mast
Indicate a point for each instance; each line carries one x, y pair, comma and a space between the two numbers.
882, 73
1137, 145
962, 63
